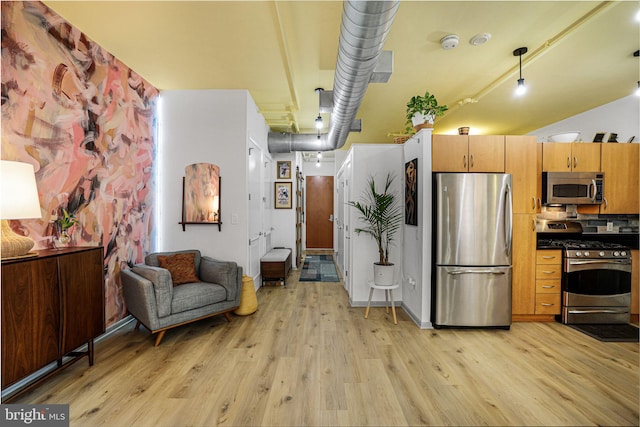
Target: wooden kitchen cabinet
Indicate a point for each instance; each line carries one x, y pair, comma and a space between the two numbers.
523, 290
520, 162
573, 157
620, 164
468, 153
548, 277
52, 304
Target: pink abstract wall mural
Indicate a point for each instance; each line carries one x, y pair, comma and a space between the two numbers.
87, 124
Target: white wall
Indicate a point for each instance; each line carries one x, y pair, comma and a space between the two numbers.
376, 160
621, 117
284, 220
211, 126
416, 284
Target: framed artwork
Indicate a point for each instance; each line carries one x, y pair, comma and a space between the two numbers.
613, 137
282, 195
411, 192
201, 194
599, 137
284, 169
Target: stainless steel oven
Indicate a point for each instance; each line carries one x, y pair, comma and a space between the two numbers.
596, 283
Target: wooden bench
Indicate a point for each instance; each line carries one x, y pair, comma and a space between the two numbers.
275, 265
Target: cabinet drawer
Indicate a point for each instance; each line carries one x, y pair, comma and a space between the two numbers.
547, 303
548, 272
548, 286
549, 257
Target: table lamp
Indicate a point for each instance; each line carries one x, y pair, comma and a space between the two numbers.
18, 200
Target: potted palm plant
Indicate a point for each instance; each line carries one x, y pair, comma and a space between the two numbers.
422, 110
383, 215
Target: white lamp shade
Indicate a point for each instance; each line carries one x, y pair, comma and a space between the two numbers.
19, 193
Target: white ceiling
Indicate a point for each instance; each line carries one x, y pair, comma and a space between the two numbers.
580, 56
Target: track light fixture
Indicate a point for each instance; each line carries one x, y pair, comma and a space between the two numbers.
521, 89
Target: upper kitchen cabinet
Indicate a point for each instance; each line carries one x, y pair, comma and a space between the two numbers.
468, 153
574, 157
521, 163
621, 178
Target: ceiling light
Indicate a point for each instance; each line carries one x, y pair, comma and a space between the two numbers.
318, 163
638, 90
319, 155
449, 42
521, 89
319, 122
479, 39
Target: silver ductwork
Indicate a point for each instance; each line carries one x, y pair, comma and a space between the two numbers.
365, 27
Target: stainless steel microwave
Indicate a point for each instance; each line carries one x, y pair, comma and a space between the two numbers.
572, 188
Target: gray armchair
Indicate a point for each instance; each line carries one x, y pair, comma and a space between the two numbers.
158, 305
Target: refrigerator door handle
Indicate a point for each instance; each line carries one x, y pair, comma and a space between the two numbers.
508, 220
458, 272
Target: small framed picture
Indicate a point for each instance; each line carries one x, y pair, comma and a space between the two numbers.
613, 137
599, 137
284, 169
282, 195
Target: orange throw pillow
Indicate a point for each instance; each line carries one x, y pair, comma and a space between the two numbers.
181, 267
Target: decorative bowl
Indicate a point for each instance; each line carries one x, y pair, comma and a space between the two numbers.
564, 137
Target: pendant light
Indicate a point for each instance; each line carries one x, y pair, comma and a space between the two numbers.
319, 122
521, 89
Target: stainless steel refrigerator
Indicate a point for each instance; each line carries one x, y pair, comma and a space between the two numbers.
472, 250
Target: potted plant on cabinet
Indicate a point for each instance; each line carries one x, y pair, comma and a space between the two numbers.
422, 110
383, 215
65, 222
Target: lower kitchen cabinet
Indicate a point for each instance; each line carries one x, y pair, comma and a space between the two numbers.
52, 304
548, 277
523, 280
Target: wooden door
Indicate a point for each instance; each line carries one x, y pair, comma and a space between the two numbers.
585, 157
523, 290
520, 162
449, 153
319, 212
621, 178
556, 157
486, 153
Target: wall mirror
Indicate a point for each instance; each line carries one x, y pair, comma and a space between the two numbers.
201, 195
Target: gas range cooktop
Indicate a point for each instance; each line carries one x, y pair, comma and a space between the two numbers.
586, 248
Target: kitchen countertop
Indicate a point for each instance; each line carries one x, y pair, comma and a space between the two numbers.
631, 240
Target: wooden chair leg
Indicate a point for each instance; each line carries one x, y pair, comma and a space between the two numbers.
227, 316
159, 338
366, 313
137, 328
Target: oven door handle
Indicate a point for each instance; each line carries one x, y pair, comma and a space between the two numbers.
598, 311
600, 261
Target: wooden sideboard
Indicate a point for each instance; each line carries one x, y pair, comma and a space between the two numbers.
52, 304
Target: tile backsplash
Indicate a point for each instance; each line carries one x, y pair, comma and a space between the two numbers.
597, 223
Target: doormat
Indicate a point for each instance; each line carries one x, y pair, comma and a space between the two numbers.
610, 332
319, 268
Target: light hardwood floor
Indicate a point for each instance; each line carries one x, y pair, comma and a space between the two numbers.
306, 358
